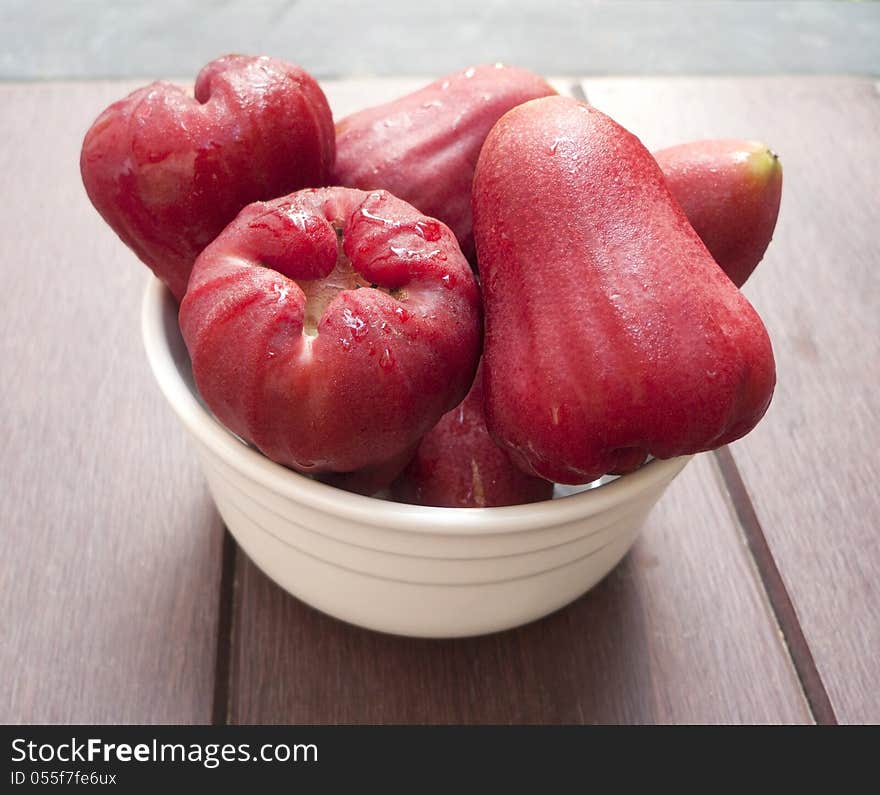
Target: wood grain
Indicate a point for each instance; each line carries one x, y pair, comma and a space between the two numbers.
777, 594
811, 467
111, 560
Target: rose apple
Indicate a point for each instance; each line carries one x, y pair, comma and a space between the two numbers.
332, 328
168, 171
423, 147
611, 334
730, 191
458, 465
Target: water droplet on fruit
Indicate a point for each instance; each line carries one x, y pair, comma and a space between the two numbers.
428, 229
386, 362
299, 218
402, 314
281, 292
386, 222
499, 65
552, 148
448, 280
357, 325
469, 73
434, 103
345, 343
444, 85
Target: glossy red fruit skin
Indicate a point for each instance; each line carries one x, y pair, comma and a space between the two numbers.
371, 479
458, 465
167, 172
377, 371
611, 333
730, 191
423, 146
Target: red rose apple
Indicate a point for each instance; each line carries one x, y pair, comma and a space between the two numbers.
611, 333
730, 191
423, 146
332, 328
458, 465
168, 171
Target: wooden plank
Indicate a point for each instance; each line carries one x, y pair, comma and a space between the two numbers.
112, 548
679, 632
811, 467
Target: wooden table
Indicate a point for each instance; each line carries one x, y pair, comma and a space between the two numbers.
752, 596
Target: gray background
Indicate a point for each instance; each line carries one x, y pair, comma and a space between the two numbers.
98, 38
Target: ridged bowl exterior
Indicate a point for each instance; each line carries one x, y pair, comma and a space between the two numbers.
404, 569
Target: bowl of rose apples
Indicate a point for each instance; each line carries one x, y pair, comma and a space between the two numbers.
439, 358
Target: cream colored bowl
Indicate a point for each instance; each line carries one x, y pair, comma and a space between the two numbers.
430, 572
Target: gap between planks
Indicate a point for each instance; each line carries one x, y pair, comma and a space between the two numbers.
777, 594
225, 611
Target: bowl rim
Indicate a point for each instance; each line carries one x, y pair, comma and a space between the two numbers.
385, 514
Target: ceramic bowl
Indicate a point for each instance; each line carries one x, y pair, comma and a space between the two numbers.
403, 569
